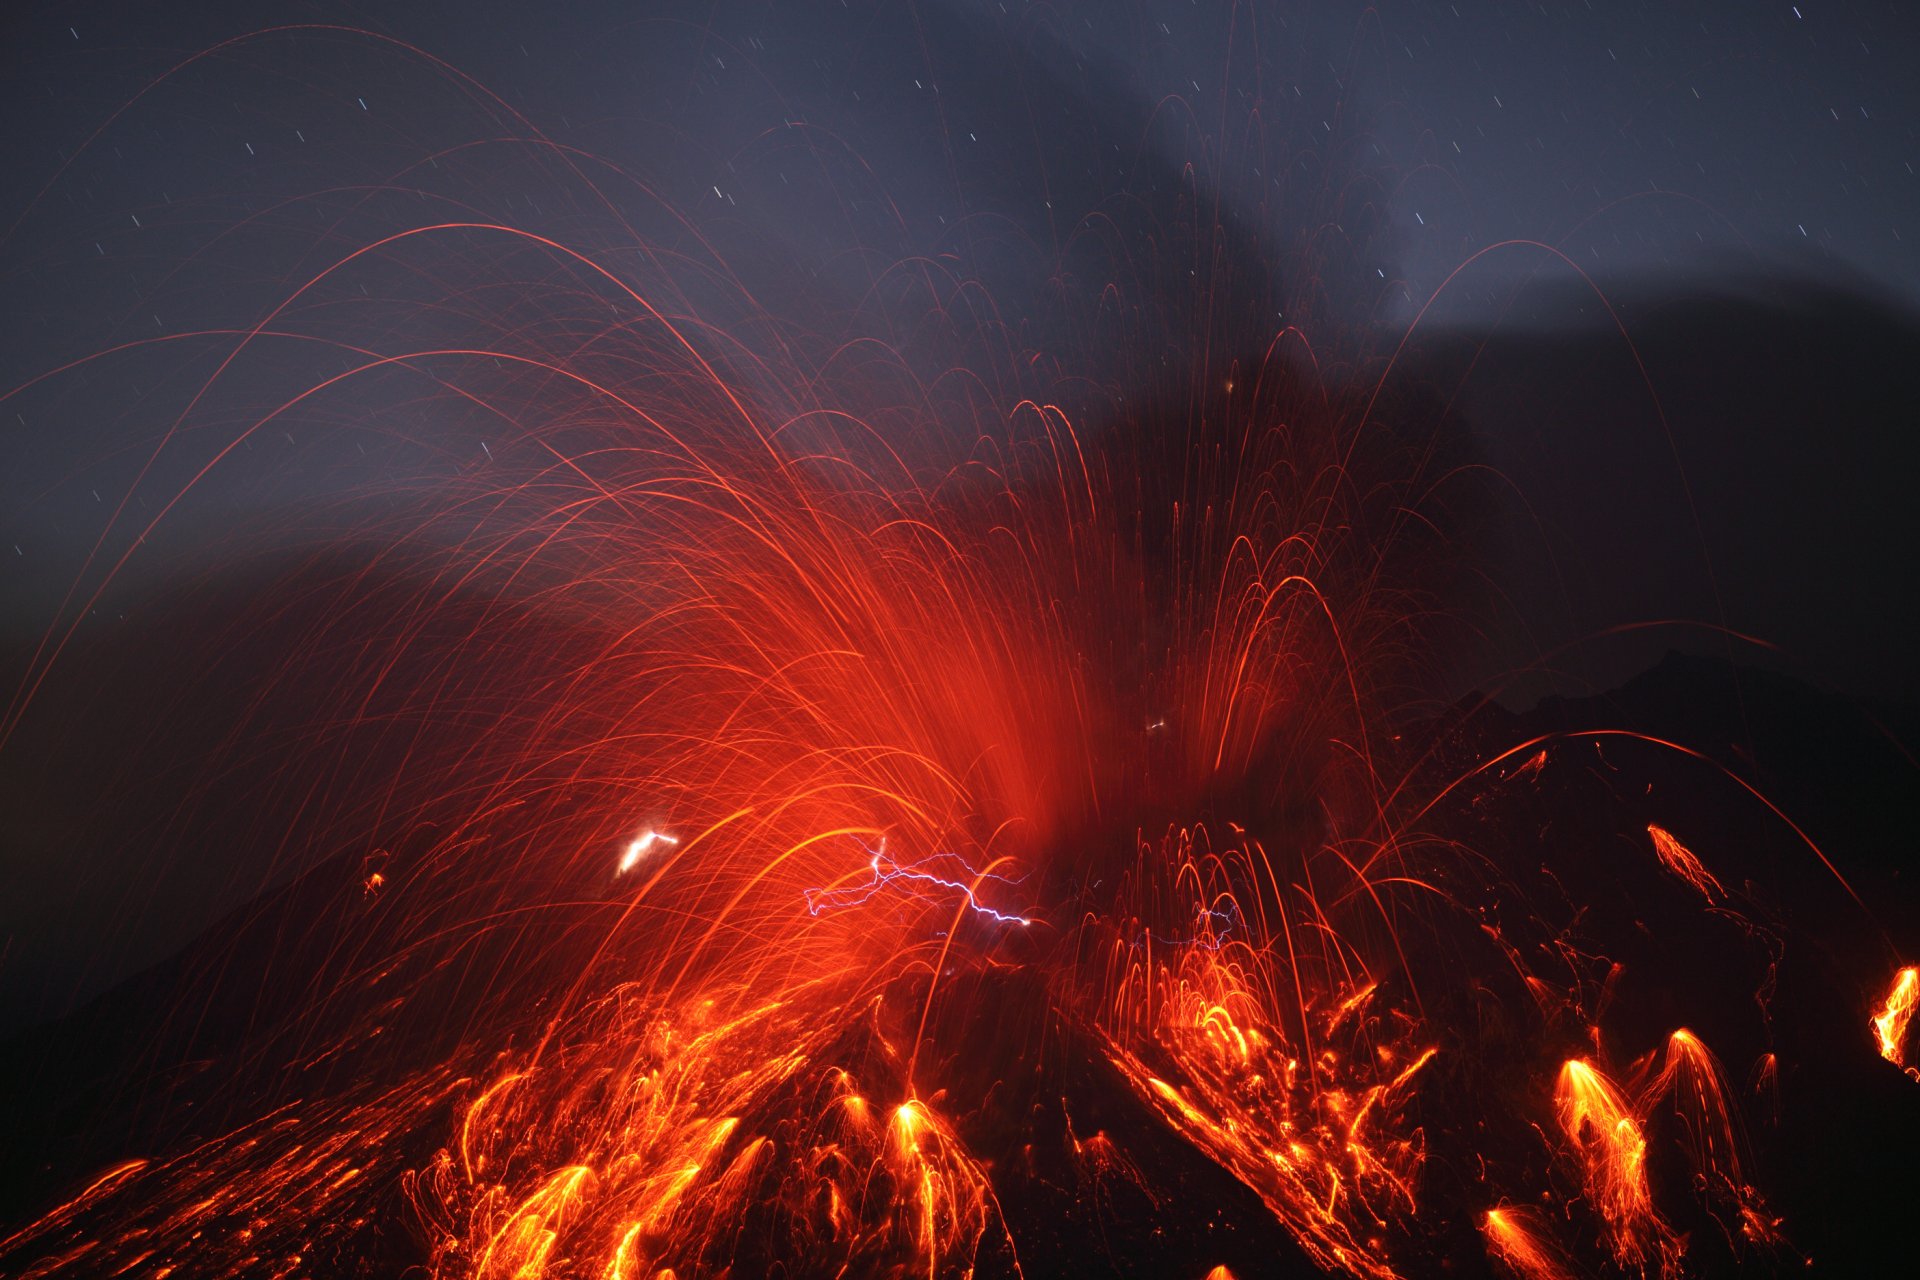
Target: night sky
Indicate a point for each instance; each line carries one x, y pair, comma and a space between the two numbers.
1737, 180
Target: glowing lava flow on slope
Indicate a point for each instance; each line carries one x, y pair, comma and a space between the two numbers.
1890, 1023
1680, 860
1517, 1239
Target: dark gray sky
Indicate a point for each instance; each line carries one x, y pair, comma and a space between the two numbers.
1634, 138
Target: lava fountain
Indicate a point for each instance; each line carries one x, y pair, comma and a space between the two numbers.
837, 772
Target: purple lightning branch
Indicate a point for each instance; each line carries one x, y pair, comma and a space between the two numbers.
885, 873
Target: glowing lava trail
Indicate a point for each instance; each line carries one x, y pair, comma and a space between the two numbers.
1895, 1015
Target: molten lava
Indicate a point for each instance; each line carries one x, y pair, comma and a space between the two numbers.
1895, 1015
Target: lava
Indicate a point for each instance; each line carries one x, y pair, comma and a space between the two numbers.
1520, 1241
1680, 860
1895, 1014
1603, 1130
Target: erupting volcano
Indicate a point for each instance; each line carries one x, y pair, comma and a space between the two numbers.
928, 757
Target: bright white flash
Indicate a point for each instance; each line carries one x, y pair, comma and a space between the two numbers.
639, 847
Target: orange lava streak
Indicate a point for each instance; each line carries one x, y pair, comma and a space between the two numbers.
1692, 1085
1691, 1081
1896, 1014
1518, 1240
696, 1126
1680, 860
1607, 1136
1684, 1103
1231, 1036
